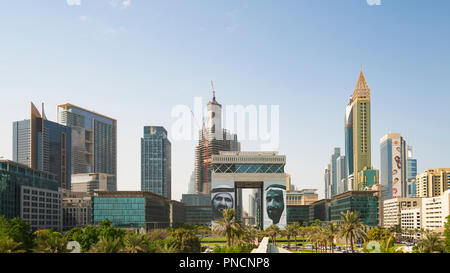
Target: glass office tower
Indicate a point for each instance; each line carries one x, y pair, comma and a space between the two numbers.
411, 173
156, 170
43, 145
393, 166
94, 140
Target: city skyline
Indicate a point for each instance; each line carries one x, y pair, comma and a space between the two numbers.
311, 93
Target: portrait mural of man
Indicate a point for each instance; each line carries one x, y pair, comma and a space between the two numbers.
222, 197
396, 168
275, 204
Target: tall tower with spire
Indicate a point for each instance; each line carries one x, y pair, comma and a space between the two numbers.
212, 140
358, 129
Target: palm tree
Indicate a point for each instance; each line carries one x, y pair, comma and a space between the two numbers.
135, 243
332, 231
107, 246
227, 225
312, 236
8, 245
291, 230
352, 228
273, 231
431, 242
322, 238
388, 246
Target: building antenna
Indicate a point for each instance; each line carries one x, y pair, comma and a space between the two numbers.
213, 91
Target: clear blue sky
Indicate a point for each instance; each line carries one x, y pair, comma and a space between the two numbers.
136, 62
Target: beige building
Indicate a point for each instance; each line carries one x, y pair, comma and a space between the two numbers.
92, 182
435, 211
411, 218
303, 197
392, 209
433, 182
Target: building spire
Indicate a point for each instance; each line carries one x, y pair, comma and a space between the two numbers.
213, 92
361, 84
43, 112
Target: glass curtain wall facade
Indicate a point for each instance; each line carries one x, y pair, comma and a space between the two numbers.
411, 173
366, 203
12, 177
156, 169
334, 171
132, 209
43, 145
94, 140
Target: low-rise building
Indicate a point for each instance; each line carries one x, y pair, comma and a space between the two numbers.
392, 209
410, 219
30, 194
297, 214
77, 210
302, 197
320, 210
435, 211
92, 182
199, 199
364, 202
127, 209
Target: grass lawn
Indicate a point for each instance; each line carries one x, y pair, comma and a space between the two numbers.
221, 239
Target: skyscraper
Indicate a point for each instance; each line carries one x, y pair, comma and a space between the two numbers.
341, 174
94, 140
357, 130
393, 166
333, 171
156, 170
327, 178
43, 145
212, 140
411, 173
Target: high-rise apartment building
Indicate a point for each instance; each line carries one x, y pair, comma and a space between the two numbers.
411, 173
43, 145
212, 140
393, 166
94, 140
333, 171
327, 180
156, 168
357, 128
433, 183
341, 174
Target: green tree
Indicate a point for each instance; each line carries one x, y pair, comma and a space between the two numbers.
156, 235
332, 230
352, 228
49, 241
18, 230
227, 225
86, 237
107, 230
8, 245
273, 231
107, 245
447, 235
291, 230
186, 241
135, 243
387, 245
378, 234
431, 242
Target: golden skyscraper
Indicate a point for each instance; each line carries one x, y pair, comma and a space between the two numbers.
360, 110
